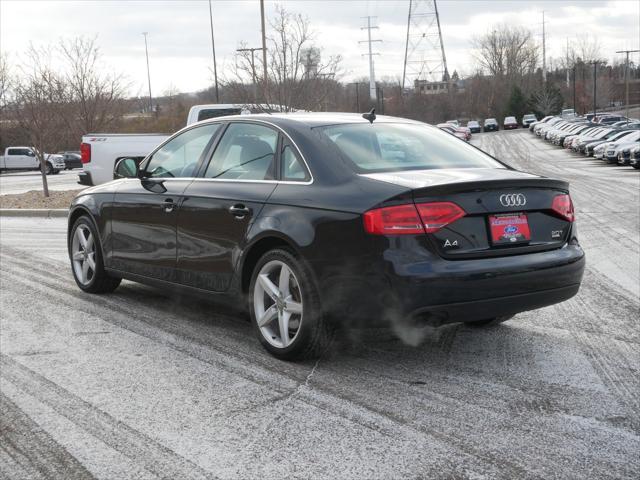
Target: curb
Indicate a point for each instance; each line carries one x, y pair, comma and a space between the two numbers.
34, 212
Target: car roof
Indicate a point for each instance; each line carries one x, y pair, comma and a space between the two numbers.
312, 119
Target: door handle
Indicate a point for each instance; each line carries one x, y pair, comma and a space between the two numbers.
169, 205
239, 211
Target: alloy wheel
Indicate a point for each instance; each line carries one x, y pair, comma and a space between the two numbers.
277, 303
83, 254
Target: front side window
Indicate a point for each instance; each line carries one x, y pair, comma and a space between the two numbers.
245, 152
179, 157
386, 147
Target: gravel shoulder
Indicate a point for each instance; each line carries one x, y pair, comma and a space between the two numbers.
36, 199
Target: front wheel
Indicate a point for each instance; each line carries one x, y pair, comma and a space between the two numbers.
48, 169
285, 308
86, 259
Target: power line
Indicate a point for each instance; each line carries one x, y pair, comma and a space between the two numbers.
372, 76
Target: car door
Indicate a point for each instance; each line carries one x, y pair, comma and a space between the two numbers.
145, 209
220, 206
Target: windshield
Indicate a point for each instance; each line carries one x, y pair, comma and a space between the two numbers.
385, 147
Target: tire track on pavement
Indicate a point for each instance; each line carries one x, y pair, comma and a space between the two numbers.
131, 443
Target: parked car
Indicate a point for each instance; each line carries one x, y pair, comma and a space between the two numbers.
596, 148
634, 159
72, 160
568, 113
24, 158
248, 209
611, 149
532, 125
490, 125
450, 128
474, 126
528, 119
510, 123
454, 122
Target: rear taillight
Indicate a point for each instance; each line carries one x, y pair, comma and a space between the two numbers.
85, 152
437, 215
563, 207
411, 219
397, 220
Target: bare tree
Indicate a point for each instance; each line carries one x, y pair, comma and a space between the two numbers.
507, 51
298, 76
39, 100
95, 98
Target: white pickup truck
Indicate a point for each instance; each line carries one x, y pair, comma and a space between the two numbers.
101, 151
24, 158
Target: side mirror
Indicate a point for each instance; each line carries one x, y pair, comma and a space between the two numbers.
126, 168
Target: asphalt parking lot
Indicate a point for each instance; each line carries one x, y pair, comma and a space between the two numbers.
138, 384
20, 182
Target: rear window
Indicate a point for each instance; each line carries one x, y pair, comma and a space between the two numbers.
385, 147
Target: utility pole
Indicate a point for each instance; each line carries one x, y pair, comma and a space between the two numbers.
357, 84
626, 79
253, 69
146, 50
567, 65
595, 67
213, 51
265, 78
544, 51
574, 89
372, 75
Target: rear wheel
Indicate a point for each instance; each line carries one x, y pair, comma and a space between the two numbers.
489, 321
285, 308
86, 259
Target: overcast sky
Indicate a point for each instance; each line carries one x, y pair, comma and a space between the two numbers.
180, 42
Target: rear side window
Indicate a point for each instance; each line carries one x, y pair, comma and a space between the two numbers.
245, 152
385, 147
292, 166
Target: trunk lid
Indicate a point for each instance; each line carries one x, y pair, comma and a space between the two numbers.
499, 204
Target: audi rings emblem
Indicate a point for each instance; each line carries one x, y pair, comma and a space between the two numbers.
513, 200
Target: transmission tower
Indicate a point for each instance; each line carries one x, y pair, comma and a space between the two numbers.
424, 58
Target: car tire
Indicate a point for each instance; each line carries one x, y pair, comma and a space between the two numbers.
489, 321
48, 170
86, 259
275, 297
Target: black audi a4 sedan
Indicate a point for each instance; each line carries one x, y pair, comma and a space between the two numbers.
313, 221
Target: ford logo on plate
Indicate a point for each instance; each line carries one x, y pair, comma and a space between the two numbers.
510, 229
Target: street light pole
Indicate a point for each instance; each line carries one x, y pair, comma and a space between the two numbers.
265, 79
595, 80
146, 50
626, 80
213, 51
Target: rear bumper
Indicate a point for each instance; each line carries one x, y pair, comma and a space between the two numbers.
84, 178
439, 291
493, 307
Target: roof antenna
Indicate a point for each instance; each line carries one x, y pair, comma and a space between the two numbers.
371, 116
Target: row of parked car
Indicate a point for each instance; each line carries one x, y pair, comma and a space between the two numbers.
611, 138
